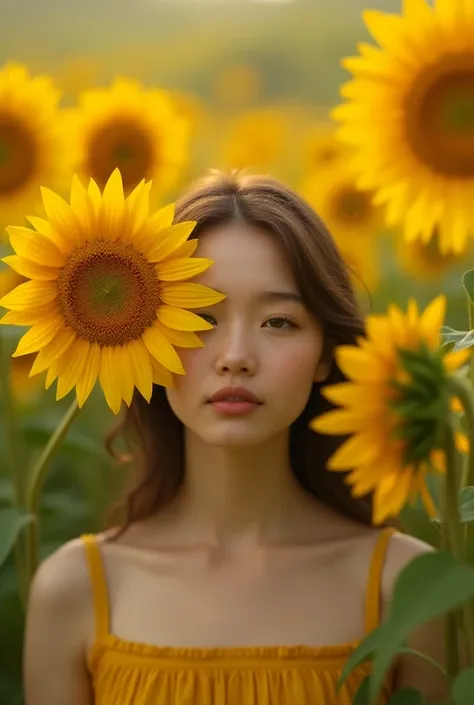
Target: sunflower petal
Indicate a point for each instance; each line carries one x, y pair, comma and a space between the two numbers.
190, 295
181, 338
53, 350
161, 349
137, 207
336, 423
186, 250
357, 450
52, 373
30, 316
167, 241
39, 335
182, 268
141, 365
108, 379
71, 366
35, 247
161, 376
94, 192
112, 207
180, 319
45, 228
81, 203
30, 270
432, 320
85, 383
60, 213
32, 293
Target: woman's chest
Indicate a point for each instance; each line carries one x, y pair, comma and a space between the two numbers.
260, 600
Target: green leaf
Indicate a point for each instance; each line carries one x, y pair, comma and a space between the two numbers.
466, 342
466, 504
362, 695
407, 696
428, 587
416, 522
468, 283
450, 335
463, 688
12, 521
364, 652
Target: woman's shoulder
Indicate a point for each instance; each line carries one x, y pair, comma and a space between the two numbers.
401, 550
63, 576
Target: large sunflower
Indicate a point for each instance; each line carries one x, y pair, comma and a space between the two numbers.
141, 132
106, 298
410, 113
425, 261
383, 453
31, 150
347, 210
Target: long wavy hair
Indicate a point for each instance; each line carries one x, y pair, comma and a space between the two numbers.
154, 434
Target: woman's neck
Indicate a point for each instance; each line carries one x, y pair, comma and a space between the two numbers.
233, 498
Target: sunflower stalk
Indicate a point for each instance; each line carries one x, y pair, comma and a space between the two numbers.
37, 478
12, 455
454, 538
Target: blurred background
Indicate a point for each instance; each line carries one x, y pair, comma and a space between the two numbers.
253, 81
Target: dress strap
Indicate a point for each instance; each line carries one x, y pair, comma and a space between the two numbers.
374, 584
98, 583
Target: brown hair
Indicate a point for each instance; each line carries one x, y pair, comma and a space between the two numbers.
324, 282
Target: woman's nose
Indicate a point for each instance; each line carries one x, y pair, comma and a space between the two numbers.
236, 355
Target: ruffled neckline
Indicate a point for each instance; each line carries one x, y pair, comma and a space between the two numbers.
229, 656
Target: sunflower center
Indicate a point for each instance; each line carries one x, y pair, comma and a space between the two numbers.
108, 292
440, 116
121, 144
351, 206
17, 154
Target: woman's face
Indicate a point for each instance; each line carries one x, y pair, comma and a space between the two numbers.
263, 341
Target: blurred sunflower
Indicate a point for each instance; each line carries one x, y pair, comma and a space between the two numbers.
9, 279
31, 150
410, 113
424, 260
141, 132
107, 297
347, 210
237, 85
24, 388
256, 140
392, 411
361, 256
322, 148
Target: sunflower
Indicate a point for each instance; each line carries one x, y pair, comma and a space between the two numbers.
362, 259
347, 210
410, 114
25, 389
141, 132
322, 148
106, 297
390, 451
255, 140
31, 148
425, 261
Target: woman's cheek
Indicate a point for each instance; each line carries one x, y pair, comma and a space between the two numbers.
296, 368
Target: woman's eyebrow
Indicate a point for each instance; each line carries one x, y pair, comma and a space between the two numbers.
280, 296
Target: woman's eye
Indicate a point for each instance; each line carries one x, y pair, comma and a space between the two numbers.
207, 317
279, 322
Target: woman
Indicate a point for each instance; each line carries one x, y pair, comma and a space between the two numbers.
245, 572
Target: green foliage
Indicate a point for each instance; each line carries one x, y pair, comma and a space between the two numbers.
12, 521
463, 688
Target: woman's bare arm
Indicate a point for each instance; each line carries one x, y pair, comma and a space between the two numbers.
413, 671
58, 629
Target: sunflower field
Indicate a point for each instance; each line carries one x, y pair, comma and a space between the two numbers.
367, 110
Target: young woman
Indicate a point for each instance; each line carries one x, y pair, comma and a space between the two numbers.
245, 573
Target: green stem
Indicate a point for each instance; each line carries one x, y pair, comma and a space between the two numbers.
37, 478
451, 635
454, 533
471, 327
13, 459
